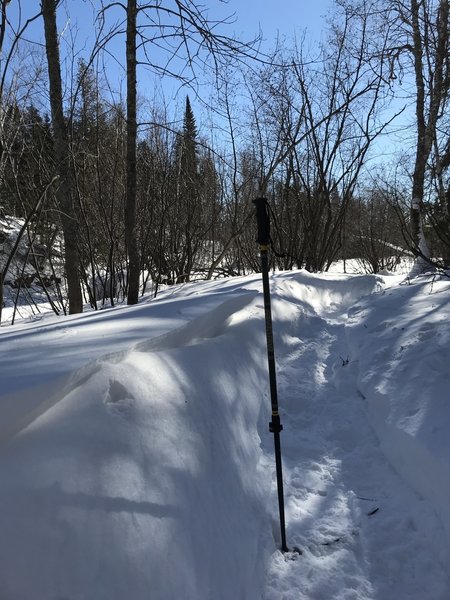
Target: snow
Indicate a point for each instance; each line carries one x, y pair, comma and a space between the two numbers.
136, 460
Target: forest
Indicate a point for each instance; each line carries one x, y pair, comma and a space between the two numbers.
108, 190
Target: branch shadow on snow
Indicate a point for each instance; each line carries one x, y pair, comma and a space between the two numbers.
56, 498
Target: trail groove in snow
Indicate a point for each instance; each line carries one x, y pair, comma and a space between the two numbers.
363, 532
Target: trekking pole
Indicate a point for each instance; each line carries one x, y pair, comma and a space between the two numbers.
275, 426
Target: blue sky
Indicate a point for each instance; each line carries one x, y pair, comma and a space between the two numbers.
283, 18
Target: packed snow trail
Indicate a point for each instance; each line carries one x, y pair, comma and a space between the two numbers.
363, 532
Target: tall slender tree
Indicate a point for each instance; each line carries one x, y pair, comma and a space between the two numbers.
62, 158
130, 203
429, 29
418, 54
188, 191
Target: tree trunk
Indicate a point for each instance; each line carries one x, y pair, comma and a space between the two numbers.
65, 194
430, 53
130, 205
422, 152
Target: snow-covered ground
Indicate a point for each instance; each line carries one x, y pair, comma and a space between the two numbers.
136, 461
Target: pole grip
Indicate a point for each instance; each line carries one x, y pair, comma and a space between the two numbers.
263, 221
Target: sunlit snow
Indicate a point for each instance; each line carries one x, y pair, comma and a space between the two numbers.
136, 460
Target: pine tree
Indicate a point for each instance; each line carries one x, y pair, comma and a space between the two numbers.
188, 158
188, 197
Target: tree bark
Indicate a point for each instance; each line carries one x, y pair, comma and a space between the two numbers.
130, 202
65, 194
429, 56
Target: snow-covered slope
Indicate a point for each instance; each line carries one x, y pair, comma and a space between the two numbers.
136, 460
402, 341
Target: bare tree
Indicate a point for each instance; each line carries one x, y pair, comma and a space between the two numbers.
322, 117
17, 81
239, 185
375, 238
130, 202
419, 51
189, 42
62, 157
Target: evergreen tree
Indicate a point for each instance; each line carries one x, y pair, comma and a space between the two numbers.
188, 196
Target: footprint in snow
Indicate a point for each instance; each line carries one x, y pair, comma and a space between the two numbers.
118, 400
427, 331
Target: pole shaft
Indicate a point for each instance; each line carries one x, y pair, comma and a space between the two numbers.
279, 472
275, 425
269, 330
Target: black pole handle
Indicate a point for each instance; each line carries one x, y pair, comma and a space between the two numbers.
262, 221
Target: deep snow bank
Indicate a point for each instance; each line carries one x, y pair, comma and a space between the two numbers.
55, 348
145, 475
401, 342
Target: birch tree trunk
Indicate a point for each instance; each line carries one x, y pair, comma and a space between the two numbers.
430, 56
